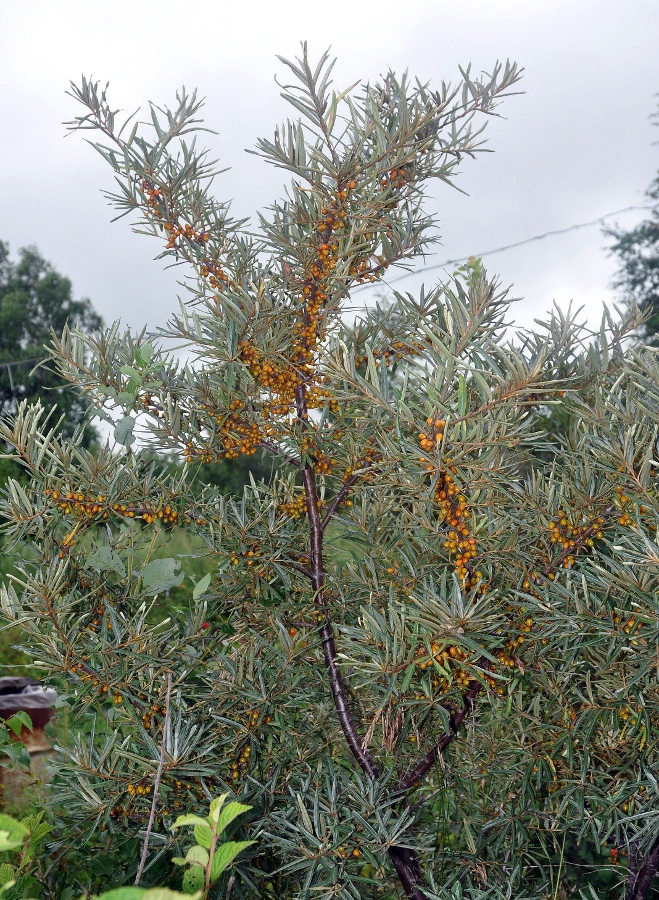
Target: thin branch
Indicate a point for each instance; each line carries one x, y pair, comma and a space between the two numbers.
338, 498
427, 761
156, 783
277, 451
298, 568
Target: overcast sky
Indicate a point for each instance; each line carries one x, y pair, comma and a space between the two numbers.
576, 145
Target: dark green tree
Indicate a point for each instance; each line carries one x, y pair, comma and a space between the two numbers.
637, 250
35, 298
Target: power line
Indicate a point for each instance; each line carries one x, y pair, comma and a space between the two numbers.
447, 262
19, 362
529, 240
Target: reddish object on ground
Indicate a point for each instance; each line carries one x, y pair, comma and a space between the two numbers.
28, 695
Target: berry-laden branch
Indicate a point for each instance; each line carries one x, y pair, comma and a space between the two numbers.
453, 508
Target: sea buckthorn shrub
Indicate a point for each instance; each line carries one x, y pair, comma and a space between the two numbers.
426, 656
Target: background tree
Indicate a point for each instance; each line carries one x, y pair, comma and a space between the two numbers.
429, 665
35, 300
637, 250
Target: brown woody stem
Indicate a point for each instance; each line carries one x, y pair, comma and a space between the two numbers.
641, 877
427, 761
404, 859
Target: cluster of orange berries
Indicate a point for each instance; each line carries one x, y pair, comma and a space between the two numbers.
239, 767
531, 578
323, 463
154, 197
294, 509
174, 232
75, 503
216, 276
238, 435
344, 852
149, 713
277, 379
631, 627
452, 658
568, 536
98, 619
140, 789
151, 405
623, 500
297, 507
454, 510
252, 558
396, 178
629, 713
453, 506
367, 267
396, 351
318, 272
156, 203
363, 269
433, 437
309, 447
283, 380
506, 655
102, 690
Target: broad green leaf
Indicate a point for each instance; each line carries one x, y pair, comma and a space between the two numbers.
189, 819
216, 805
229, 813
203, 835
123, 893
123, 431
17, 753
129, 370
201, 586
18, 721
161, 574
167, 894
104, 557
193, 880
6, 873
197, 854
12, 833
224, 856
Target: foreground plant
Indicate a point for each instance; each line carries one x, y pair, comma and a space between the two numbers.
427, 656
207, 859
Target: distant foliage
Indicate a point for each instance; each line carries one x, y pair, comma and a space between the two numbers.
637, 250
35, 300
